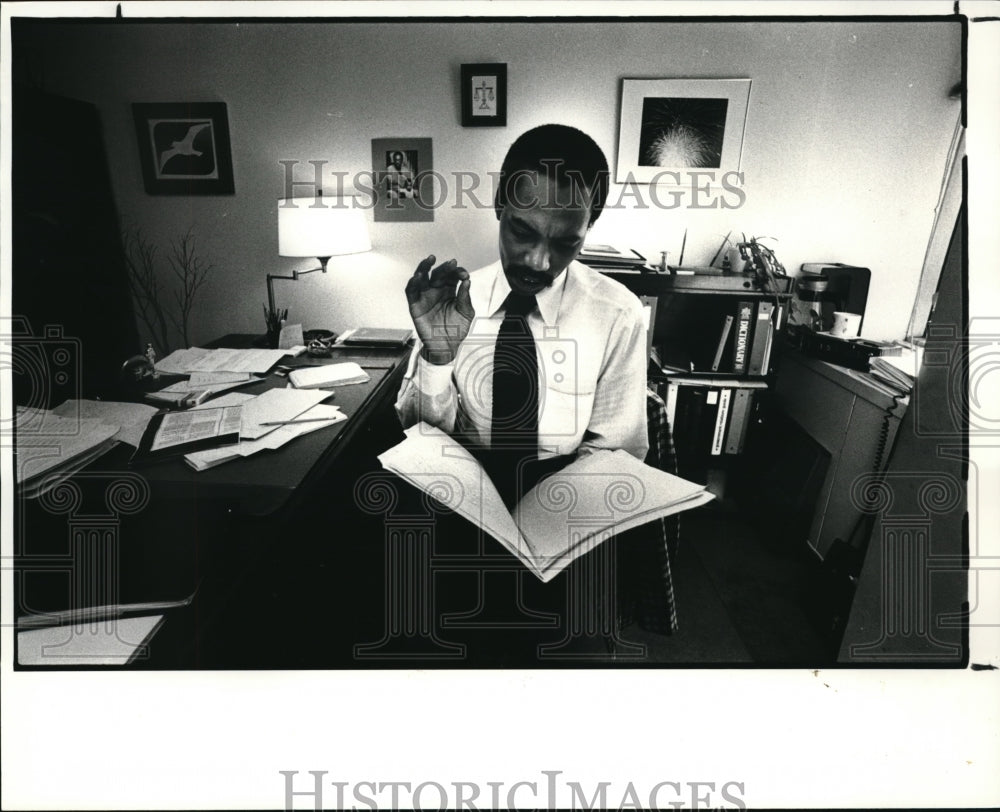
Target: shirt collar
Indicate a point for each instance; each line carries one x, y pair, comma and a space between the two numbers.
548, 300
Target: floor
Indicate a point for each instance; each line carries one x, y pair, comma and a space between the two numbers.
741, 602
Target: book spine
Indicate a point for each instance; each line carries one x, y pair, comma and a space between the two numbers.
742, 437
720, 382
761, 331
720, 422
766, 363
737, 419
723, 338
744, 315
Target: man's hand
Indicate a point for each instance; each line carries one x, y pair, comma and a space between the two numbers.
440, 307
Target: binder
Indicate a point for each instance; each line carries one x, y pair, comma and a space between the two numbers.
697, 407
738, 419
721, 419
761, 336
727, 326
741, 341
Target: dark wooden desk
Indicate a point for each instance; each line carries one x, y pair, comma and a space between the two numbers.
189, 531
272, 481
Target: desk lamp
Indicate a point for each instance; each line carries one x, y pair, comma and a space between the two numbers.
316, 227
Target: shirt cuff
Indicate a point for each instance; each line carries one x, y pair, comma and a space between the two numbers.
433, 379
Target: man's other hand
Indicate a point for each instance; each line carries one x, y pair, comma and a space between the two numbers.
440, 307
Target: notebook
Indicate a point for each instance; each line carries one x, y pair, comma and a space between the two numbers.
321, 377
376, 336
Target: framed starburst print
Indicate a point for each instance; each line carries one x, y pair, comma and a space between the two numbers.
669, 126
184, 148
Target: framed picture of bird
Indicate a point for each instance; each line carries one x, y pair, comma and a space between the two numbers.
671, 128
184, 148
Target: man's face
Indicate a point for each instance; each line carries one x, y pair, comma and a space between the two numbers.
542, 229
397, 160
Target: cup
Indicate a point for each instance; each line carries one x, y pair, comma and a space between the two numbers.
736, 262
845, 325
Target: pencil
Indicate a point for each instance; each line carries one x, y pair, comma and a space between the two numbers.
292, 422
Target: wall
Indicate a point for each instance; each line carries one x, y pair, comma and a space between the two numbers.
846, 138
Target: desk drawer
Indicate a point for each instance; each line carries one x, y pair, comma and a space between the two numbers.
817, 404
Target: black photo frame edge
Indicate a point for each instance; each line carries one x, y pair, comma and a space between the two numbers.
498, 69
217, 111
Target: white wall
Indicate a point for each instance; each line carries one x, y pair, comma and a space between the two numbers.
846, 137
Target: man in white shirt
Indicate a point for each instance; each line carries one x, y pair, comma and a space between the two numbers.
588, 332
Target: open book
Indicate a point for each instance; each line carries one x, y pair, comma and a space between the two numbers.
566, 515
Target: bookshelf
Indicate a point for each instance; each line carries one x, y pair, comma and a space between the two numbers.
715, 348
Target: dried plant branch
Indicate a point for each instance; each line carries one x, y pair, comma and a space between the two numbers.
140, 262
156, 309
191, 274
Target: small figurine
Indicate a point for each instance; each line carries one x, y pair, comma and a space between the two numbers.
151, 357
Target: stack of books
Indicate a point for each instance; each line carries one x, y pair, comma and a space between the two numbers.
609, 258
894, 372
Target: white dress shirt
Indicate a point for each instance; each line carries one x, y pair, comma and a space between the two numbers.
590, 339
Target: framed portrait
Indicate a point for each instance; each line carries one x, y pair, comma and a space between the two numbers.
675, 125
184, 148
484, 95
404, 178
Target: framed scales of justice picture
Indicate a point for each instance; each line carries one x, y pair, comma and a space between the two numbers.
484, 95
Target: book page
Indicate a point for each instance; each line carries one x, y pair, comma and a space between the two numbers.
571, 512
434, 462
179, 428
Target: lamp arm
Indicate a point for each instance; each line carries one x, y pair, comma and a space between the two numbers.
270, 289
294, 275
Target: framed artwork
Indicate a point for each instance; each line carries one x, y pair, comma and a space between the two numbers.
674, 125
484, 95
184, 148
404, 177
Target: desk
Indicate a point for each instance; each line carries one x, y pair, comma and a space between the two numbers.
184, 529
266, 483
853, 420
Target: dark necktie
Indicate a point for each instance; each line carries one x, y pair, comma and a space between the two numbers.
514, 430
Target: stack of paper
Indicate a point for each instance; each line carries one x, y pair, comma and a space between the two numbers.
196, 359
202, 382
132, 417
317, 417
50, 447
327, 375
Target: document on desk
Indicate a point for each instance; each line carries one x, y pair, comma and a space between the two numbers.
132, 417
276, 405
184, 428
318, 417
196, 359
208, 382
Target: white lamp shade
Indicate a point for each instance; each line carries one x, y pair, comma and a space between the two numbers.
321, 227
